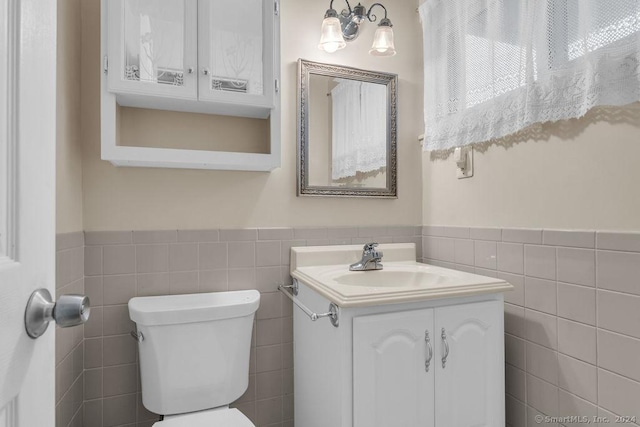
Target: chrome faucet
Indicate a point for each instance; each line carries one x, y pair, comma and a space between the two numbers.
370, 259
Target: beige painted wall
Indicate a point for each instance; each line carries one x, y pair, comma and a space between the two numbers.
140, 127
578, 174
68, 142
126, 198
571, 175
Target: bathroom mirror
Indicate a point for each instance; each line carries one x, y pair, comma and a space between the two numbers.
346, 131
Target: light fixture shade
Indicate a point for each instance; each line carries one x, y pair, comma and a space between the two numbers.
331, 39
383, 42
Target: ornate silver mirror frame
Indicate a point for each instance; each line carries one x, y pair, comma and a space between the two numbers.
305, 70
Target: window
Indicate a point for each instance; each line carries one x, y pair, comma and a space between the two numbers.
494, 67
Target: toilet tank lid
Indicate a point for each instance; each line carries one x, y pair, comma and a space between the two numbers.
176, 309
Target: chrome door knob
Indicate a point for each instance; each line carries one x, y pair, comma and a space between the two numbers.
69, 310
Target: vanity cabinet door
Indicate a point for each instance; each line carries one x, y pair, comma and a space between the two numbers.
152, 48
236, 54
469, 363
392, 385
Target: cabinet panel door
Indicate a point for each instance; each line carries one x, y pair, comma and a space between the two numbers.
470, 385
152, 47
236, 51
391, 385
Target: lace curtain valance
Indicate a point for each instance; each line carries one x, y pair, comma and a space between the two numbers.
494, 67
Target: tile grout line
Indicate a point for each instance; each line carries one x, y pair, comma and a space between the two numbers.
596, 285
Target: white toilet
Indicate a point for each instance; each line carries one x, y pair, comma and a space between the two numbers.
194, 356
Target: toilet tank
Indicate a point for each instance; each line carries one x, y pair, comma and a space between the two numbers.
195, 350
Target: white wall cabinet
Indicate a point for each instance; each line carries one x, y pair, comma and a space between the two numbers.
151, 46
235, 62
201, 56
432, 363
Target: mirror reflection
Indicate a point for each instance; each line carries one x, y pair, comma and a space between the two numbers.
347, 132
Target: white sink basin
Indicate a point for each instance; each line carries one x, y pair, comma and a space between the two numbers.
392, 277
326, 270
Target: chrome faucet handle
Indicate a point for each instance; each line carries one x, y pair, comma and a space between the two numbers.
369, 247
370, 259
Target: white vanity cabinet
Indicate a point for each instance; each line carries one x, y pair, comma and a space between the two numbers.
200, 56
393, 372
430, 367
436, 363
470, 383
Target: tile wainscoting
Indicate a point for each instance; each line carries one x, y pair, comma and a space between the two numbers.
123, 264
69, 342
572, 324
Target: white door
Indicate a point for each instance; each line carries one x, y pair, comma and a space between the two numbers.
27, 206
393, 370
469, 361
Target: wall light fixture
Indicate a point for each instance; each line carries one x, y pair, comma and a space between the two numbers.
339, 28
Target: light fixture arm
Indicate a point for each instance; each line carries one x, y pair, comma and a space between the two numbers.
348, 5
373, 18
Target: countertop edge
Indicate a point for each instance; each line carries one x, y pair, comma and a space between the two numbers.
499, 286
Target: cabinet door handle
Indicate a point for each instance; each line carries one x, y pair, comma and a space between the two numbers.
205, 71
446, 348
427, 362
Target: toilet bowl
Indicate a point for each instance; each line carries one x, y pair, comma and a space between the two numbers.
194, 356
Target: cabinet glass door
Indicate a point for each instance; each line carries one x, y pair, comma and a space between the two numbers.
236, 51
152, 47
